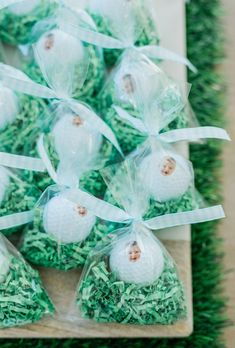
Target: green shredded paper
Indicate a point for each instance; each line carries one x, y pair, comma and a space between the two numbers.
107, 300
22, 297
19, 196
15, 30
43, 249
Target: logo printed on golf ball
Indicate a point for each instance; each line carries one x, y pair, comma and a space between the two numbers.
49, 42
66, 221
165, 175
168, 166
134, 252
82, 211
138, 262
128, 84
77, 121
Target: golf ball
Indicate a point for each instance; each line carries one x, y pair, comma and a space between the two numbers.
4, 183
24, 7
9, 107
138, 261
66, 221
165, 175
60, 54
4, 262
74, 141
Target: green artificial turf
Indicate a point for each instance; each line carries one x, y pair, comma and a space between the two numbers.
205, 49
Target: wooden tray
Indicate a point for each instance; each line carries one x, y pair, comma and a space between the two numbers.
170, 16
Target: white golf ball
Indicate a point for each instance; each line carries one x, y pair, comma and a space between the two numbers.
138, 261
59, 53
165, 175
74, 141
24, 7
66, 221
4, 183
9, 106
4, 262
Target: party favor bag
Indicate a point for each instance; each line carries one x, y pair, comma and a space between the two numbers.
23, 298
144, 91
64, 62
130, 278
72, 143
63, 231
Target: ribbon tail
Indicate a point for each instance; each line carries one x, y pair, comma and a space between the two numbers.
100, 208
21, 162
193, 134
45, 159
20, 82
135, 122
158, 52
186, 218
14, 220
90, 36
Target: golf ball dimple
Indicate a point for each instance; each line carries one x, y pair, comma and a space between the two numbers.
4, 183
4, 262
24, 7
165, 175
74, 141
137, 261
66, 221
9, 107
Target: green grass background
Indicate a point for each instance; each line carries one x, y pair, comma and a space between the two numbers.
205, 49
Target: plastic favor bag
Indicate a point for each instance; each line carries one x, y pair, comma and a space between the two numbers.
67, 64
23, 298
18, 18
123, 19
132, 280
73, 145
60, 96
63, 231
143, 90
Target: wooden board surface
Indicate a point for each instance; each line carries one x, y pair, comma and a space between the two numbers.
170, 16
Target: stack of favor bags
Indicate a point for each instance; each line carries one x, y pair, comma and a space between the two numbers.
89, 171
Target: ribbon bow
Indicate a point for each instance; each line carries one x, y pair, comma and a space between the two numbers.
20, 82
183, 134
104, 41
111, 213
